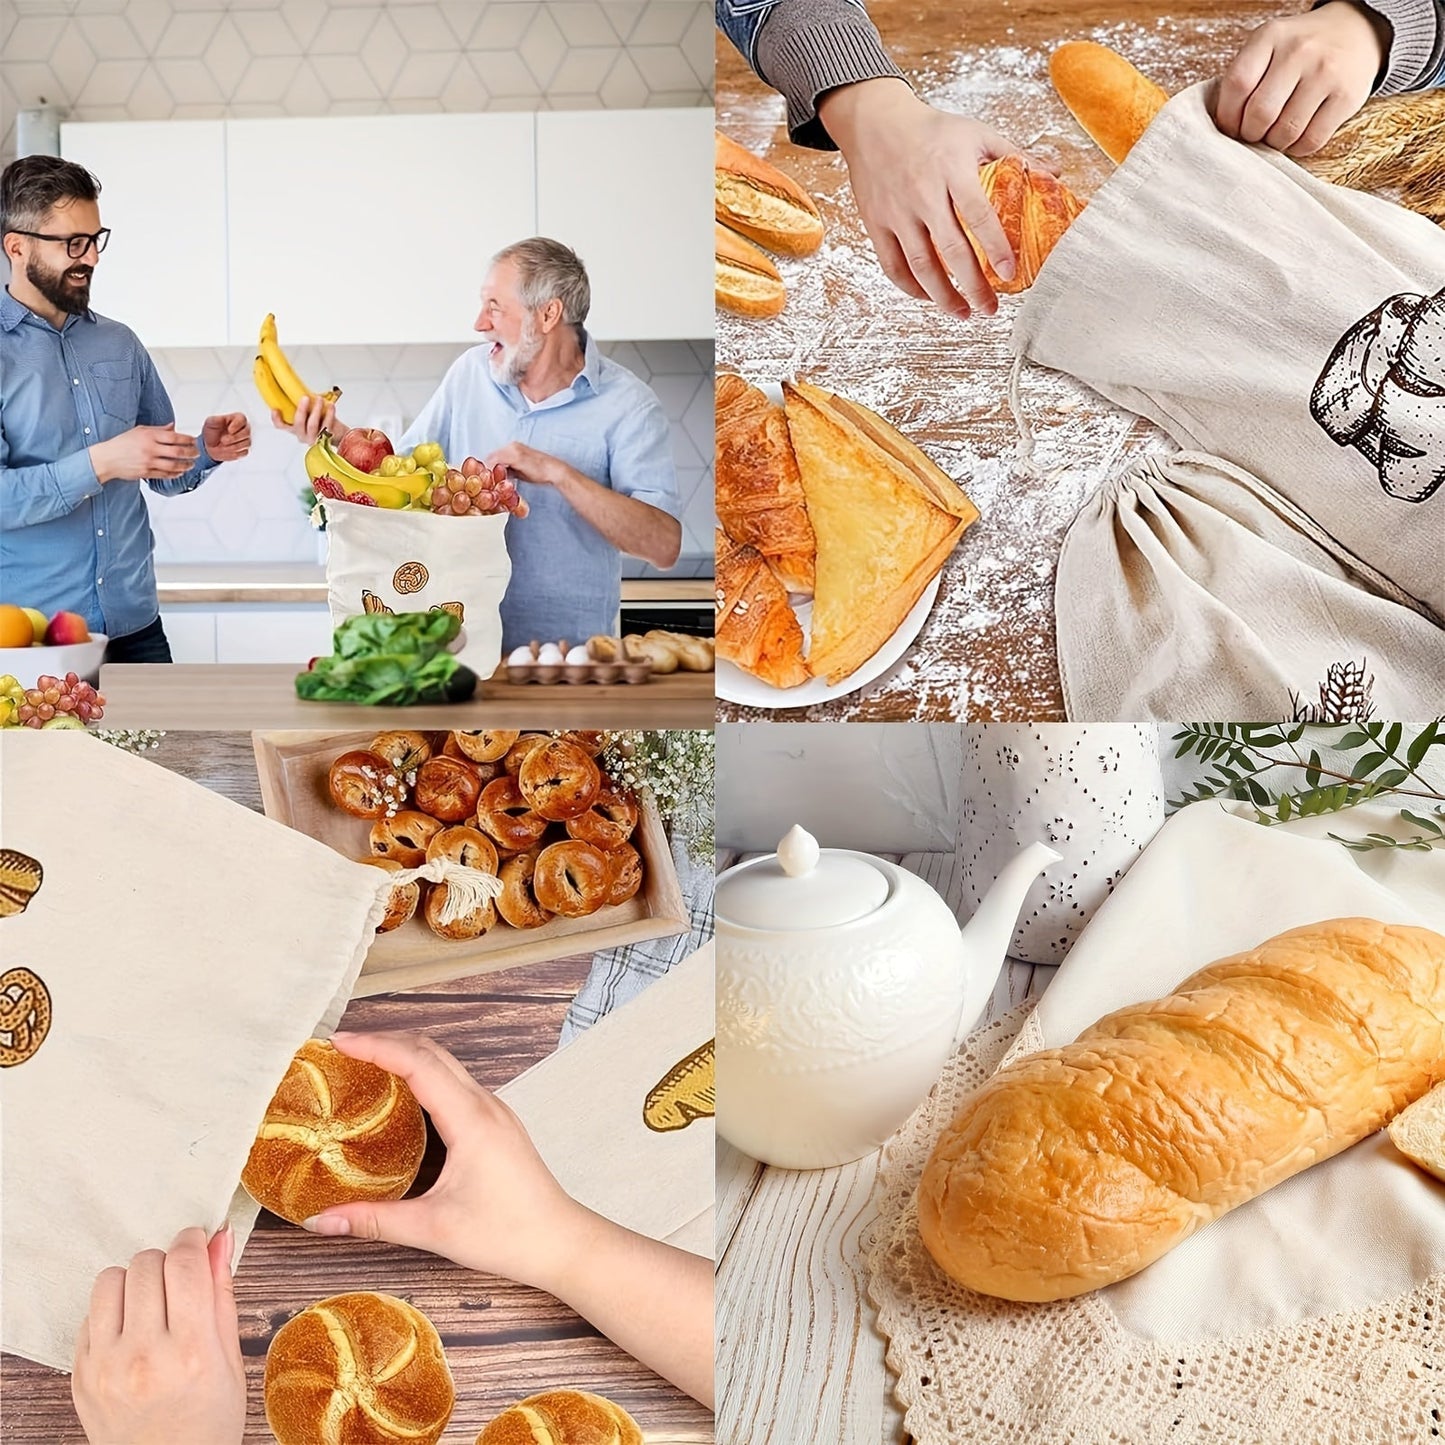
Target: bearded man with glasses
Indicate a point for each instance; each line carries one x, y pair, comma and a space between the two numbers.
84, 418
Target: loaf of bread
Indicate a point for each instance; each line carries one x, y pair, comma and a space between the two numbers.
757, 199
1111, 100
747, 281
337, 1131
562, 1417
358, 1369
1078, 1166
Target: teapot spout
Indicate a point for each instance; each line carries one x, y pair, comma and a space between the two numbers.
987, 934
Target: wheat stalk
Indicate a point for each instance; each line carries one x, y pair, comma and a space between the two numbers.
1396, 143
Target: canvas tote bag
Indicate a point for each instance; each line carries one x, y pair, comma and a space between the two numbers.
380, 560
153, 988
1187, 588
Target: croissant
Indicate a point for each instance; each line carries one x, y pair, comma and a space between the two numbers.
760, 499
1035, 209
756, 629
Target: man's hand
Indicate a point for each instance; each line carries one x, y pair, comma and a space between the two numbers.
525, 463
1296, 81
494, 1207
226, 438
312, 418
914, 172
158, 1359
142, 453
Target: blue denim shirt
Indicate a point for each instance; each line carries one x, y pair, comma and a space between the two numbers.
608, 425
67, 543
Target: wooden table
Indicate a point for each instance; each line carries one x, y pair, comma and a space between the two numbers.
263, 696
800, 1359
503, 1340
987, 651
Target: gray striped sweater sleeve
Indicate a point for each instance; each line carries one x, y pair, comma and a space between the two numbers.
1417, 48
809, 47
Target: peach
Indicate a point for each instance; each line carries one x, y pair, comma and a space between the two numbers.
66, 628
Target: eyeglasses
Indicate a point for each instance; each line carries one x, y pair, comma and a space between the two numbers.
75, 246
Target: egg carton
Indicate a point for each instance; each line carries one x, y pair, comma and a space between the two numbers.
579, 672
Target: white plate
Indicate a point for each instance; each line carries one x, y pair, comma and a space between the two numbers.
734, 685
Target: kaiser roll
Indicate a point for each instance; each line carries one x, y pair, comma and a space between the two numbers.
358, 1369
562, 1417
338, 1130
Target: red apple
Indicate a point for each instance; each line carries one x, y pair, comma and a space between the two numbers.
66, 629
364, 447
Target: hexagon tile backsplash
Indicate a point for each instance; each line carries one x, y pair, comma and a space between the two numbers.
157, 59
251, 511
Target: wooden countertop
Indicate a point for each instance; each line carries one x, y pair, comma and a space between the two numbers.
195, 583
800, 1358
503, 1341
263, 695
988, 649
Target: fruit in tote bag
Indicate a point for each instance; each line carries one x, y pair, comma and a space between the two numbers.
475, 490
276, 378
364, 447
324, 462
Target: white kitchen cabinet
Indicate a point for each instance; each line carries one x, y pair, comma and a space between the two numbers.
191, 633
163, 195
370, 230
632, 192
273, 634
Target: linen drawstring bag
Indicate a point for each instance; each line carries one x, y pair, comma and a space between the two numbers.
380, 560
163, 953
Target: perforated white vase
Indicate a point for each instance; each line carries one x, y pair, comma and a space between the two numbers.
1093, 793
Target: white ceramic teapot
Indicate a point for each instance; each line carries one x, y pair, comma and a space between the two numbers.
843, 984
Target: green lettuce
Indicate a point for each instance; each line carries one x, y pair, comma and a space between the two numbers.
390, 659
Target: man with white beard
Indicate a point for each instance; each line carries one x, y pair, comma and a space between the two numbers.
586, 441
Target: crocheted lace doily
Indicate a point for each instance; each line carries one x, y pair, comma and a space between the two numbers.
985, 1371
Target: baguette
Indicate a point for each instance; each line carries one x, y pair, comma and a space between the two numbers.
747, 281
757, 199
1078, 1166
1111, 100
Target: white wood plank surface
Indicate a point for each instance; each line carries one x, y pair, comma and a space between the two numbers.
800, 1358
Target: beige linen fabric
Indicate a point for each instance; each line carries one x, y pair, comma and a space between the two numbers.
189, 947
1209, 285
417, 562
1304, 1314
1188, 588
584, 1108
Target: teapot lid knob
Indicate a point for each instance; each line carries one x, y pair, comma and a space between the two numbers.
798, 852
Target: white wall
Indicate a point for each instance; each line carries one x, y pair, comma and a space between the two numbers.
887, 787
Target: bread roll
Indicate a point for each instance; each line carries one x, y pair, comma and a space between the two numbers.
358, 1369
1078, 1166
562, 1417
1111, 100
746, 280
559, 780
337, 1131
760, 201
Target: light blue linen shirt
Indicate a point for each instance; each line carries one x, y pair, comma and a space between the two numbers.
608, 425
67, 543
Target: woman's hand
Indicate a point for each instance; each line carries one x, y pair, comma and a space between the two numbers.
914, 172
1297, 80
158, 1358
495, 1206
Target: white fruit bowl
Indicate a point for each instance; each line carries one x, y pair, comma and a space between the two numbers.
30, 663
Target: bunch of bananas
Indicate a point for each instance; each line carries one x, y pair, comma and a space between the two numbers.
276, 378
329, 470
12, 694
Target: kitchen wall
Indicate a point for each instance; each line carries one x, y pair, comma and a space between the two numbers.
154, 59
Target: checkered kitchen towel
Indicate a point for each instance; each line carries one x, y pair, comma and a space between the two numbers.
620, 974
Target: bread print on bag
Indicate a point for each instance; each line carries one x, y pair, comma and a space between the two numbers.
687, 1091
1383, 392
20, 880
24, 1015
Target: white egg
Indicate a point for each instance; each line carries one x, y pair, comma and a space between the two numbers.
579, 654
550, 653
520, 656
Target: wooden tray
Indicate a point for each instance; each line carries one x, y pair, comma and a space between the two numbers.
293, 767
